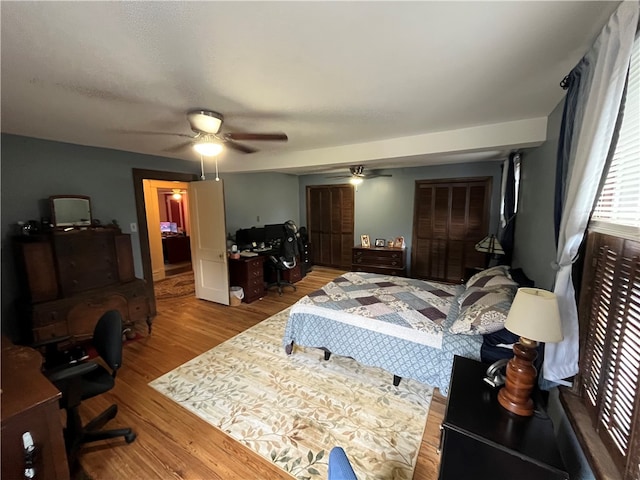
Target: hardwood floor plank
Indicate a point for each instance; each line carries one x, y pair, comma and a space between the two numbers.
172, 442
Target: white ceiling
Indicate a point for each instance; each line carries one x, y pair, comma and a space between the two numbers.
383, 83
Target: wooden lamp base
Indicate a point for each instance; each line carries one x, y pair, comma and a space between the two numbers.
521, 378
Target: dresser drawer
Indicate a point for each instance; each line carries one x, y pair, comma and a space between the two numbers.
50, 331
396, 272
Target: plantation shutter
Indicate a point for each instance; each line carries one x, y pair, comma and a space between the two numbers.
611, 371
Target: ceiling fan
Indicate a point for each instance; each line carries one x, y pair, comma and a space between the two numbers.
209, 140
357, 174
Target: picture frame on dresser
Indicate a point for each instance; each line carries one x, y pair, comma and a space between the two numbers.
380, 242
365, 241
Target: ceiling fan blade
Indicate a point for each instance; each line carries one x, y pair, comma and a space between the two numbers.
256, 136
374, 175
339, 176
179, 147
145, 132
239, 147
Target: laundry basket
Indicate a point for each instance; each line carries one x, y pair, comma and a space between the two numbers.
236, 294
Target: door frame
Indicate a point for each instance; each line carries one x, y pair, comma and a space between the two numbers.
139, 175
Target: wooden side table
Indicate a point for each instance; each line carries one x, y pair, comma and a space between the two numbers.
480, 439
30, 404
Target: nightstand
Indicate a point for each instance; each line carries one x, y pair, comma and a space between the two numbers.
482, 440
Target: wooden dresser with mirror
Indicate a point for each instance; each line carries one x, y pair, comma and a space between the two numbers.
70, 276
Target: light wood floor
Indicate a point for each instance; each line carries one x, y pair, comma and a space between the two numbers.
172, 443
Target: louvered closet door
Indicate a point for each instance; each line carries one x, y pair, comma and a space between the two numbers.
330, 215
450, 217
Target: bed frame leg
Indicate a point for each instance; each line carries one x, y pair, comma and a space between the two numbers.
396, 380
289, 348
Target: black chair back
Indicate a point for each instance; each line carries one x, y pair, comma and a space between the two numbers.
289, 248
107, 339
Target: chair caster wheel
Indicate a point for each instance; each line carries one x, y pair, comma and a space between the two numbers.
130, 437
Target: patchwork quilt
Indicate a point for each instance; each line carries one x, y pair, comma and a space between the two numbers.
395, 323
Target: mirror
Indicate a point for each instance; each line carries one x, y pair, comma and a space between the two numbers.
70, 210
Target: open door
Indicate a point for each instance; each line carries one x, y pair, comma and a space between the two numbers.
208, 241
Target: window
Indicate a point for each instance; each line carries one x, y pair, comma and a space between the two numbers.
618, 208
610, 300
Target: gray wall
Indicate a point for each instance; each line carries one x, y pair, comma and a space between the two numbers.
384, 205
535, 246
258, 199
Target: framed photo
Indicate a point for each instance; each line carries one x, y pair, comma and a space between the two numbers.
364, 239
399, 242
380, 242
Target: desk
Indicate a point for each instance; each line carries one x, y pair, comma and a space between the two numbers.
176, 249
248, 273
480, 439
30, 404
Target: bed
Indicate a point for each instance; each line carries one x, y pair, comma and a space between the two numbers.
411, 328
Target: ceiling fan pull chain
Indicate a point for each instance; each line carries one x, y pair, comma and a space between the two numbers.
217, 177
201, 167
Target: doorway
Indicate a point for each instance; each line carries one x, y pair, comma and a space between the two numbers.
167, 209
139, 176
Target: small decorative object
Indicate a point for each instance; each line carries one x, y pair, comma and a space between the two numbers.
399, 242
390, 243
379, 242
534, 315
366, 242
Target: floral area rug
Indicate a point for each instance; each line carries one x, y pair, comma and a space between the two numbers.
293, 409
175, 286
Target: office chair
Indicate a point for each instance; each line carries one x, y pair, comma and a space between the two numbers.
339, 465
87, 379
286, 258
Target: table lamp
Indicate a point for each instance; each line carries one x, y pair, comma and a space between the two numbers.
535, 317
491, 246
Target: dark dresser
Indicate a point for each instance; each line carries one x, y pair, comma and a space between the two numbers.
386, 260
69, 279
482, 440
248, 273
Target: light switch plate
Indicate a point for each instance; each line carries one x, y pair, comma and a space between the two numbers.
134, 227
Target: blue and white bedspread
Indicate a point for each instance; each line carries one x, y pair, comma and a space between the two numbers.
395, 323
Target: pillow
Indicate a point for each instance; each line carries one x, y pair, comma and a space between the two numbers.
483, 310
492, 277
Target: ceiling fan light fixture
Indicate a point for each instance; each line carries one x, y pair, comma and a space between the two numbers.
208, 147
355, 180
205, 121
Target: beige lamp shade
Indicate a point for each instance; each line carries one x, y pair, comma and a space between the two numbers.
535, 315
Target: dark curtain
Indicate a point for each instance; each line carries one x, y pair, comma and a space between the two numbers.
508, 231
572, 83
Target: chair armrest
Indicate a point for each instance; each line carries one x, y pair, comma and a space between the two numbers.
70, 371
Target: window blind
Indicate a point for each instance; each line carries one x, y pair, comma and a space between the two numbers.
619, 201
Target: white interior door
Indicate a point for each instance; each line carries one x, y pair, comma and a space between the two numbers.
208, 241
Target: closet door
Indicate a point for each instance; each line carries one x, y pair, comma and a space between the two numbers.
450, 217
330, 215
